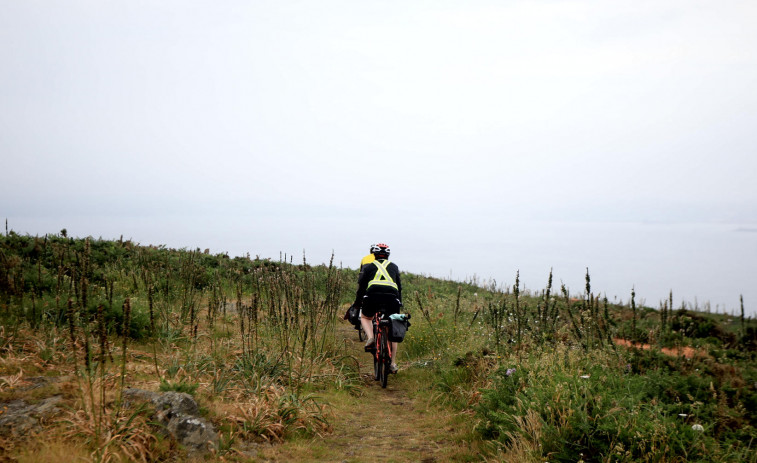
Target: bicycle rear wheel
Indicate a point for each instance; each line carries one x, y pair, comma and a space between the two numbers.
384, 361
361, 334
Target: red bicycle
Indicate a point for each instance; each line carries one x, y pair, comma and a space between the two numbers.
382, 349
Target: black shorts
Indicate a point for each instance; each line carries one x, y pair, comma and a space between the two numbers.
386, 303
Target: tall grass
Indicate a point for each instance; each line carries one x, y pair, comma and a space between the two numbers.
547, 382
177, 303
254, 340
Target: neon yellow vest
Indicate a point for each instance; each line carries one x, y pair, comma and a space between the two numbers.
382, 277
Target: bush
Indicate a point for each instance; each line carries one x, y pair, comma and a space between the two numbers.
697, 326
594, 408
181, 386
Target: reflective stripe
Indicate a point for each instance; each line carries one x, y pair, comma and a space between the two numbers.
382, 277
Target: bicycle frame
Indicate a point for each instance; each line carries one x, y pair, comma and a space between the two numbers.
382, 354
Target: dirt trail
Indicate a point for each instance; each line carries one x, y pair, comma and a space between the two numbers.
687, 352
380, 425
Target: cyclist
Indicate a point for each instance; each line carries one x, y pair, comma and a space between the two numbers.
379, 288
369, 258
365, 260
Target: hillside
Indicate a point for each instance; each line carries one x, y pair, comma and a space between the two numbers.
97, 335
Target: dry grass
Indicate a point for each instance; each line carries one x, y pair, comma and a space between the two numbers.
114, 436
52, 450
522, 447
12, 381
273, 414
93, 428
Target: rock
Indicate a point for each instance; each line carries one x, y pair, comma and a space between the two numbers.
178, 402
179, 413
192, 432
175, 402
18, 417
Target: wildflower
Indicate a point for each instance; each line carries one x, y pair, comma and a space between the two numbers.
510, 371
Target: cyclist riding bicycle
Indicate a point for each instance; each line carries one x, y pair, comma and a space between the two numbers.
354, 317
369, 258
379, 289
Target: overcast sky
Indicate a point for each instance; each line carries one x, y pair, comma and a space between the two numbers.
315, 124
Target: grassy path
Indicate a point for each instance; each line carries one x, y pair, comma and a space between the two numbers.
388, 425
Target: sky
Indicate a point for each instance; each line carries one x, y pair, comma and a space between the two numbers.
275, 127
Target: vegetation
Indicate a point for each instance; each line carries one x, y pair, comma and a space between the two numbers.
547, 376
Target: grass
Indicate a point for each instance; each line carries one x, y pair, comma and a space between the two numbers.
489, 373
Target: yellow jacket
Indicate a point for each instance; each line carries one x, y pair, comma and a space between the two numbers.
367, 260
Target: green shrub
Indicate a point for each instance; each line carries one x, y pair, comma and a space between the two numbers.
180, 386
593, 408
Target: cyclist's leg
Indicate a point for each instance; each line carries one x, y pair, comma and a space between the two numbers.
394, 356
368, 328
395, 309
366, 315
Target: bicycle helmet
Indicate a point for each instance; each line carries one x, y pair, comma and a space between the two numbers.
380, 250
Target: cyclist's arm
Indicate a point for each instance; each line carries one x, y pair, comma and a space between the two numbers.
362, 284
399, 285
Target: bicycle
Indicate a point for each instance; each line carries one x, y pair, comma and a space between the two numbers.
382, 348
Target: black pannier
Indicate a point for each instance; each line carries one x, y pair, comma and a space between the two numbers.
353, 315
398, 329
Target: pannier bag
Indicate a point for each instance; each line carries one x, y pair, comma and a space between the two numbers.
399, 327
353, 315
